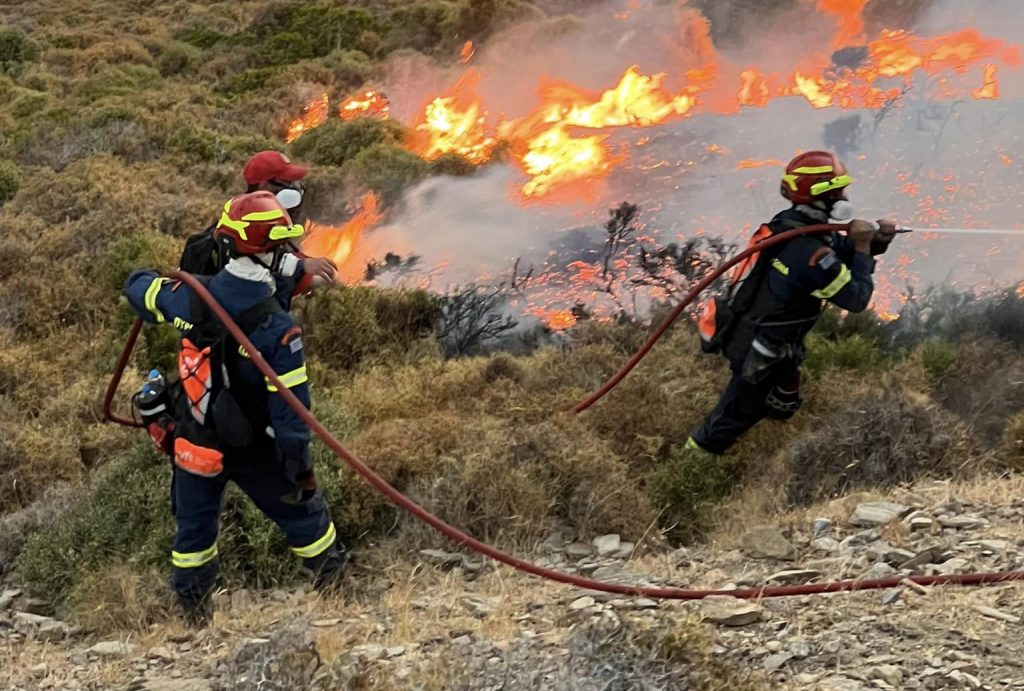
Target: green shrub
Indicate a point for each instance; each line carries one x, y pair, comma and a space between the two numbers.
855, 353
126, 80
835, 324
687, 483
938, 358
200, 36
247, 81
15, 49
10, 181
349, 67
286, 48
130, 252
345, 326
452, 164
429, 26
339, 141
176, 58
127, 520
326, 27
387, 169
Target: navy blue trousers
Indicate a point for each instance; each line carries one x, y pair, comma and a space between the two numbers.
196, 503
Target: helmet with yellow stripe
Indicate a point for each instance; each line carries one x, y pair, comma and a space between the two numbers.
255, 223
815, 176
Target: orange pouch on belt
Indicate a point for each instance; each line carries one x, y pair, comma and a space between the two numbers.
198, 460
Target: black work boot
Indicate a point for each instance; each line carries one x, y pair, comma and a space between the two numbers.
329, 568
196, 609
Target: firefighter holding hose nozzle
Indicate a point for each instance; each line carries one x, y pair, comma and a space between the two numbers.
222, 420
776, 297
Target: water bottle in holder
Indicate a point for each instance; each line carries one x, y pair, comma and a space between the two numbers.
154, 407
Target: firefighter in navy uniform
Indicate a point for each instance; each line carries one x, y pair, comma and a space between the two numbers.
295, 273
777, 297
231, 422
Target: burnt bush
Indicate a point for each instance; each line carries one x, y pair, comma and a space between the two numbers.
881, 439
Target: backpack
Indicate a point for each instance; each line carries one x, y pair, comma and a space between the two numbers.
209, 418
722, 313
202, 254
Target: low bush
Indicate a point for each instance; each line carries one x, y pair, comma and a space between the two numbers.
687, 484
339, 141
10, 181
387, 169
126, 520
879, 440
15, 49
345, 327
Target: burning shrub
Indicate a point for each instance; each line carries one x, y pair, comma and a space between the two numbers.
387, 169
339, 141
881, 439
10, 181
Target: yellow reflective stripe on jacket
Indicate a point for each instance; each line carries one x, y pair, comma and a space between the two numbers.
780, 267
318, 547
191, 560
150, 299
837, 284
289, 379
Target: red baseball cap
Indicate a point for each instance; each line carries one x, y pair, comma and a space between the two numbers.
272, 165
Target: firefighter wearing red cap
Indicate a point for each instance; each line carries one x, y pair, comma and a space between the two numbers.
230, 422
269, 171
775, 299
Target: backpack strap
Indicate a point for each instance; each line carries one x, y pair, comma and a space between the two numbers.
250, 319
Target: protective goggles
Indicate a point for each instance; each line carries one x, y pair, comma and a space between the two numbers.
283, 232
838, 182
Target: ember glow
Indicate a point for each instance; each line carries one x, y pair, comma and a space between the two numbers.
339, 242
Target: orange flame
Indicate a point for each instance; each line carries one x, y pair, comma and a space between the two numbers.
369, 104
338, 242
467, 52
554, 319
990, 89
454, 124
848, 13
313, 115
546, 143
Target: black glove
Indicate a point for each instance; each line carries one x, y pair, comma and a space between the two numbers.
299, 471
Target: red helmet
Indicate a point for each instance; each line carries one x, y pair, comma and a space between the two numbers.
815, 176
256, 222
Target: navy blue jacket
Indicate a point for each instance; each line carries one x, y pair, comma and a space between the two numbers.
278, 339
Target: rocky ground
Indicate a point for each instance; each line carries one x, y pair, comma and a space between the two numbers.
453, 622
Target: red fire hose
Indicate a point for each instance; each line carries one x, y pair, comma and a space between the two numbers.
461, 538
